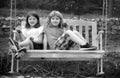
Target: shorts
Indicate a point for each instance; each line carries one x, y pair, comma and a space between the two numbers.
64, 43
37, 46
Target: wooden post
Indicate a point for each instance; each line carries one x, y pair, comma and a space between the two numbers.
98, 66
101, 66
12, 64
17, 66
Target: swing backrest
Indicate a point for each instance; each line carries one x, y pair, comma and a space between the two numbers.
87, 28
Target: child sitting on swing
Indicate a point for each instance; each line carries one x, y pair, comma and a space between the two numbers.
58, 38
31, 33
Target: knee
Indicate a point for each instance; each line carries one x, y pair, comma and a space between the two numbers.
28, 40
69, 31
16, 35
75, 31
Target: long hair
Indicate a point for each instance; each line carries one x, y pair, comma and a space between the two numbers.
33, 13
52, 14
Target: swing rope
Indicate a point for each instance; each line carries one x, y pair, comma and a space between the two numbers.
12, 17
106, 15
11, 28
11, 11
15, 14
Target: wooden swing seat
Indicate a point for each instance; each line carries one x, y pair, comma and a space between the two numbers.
62, 55
89, 30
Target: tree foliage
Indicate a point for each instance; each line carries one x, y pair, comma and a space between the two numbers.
4, 3
67, 6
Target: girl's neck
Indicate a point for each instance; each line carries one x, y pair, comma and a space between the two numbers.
31, 27
53, 26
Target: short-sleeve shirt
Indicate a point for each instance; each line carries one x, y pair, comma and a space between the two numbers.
53, 33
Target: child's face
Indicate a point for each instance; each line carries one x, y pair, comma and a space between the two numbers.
32, 21
55, 20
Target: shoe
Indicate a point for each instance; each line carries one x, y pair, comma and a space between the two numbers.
20, 53
22, 50
88, 47
85, 46
14, 43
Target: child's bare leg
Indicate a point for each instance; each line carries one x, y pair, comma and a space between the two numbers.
79, 35
75, 38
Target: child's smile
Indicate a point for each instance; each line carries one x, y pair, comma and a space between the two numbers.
55, 20
32, 21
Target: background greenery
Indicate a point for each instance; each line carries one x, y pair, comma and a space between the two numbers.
67, 6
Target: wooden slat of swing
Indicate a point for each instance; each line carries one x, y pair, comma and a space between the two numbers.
65, 55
